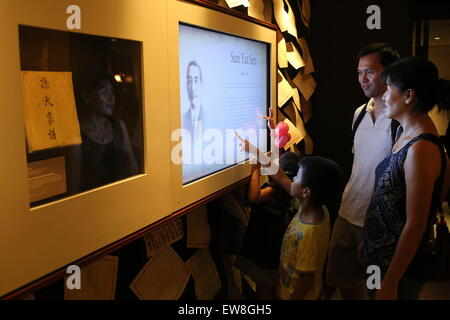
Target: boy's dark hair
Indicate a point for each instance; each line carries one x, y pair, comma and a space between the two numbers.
422, 77
386, 53
289, 162
322, 176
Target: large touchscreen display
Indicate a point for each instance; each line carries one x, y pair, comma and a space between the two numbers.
224, 88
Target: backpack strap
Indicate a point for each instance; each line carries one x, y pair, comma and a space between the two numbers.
358, 121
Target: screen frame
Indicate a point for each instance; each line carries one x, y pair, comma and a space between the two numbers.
190, 14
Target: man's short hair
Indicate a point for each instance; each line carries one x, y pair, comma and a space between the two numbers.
386, 53
194, 63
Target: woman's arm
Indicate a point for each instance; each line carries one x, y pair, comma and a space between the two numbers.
422, 166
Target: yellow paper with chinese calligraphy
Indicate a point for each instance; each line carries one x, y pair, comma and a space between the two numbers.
50, 113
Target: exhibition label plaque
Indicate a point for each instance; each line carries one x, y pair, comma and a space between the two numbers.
46, 178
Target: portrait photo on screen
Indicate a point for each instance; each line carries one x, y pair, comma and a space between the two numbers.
224, 89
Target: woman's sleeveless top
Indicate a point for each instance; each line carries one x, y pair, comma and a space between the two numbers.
104, 163
386, 215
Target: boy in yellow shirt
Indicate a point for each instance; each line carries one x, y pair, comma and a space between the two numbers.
305, 244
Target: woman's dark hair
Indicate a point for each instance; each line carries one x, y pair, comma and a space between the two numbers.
92, 82
386, 53
421, 76
322, 176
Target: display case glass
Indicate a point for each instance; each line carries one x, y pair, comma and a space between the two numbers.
83, 111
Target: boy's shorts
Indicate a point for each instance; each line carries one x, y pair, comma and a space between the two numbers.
344, 268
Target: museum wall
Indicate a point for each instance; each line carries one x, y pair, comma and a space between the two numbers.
333, 102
